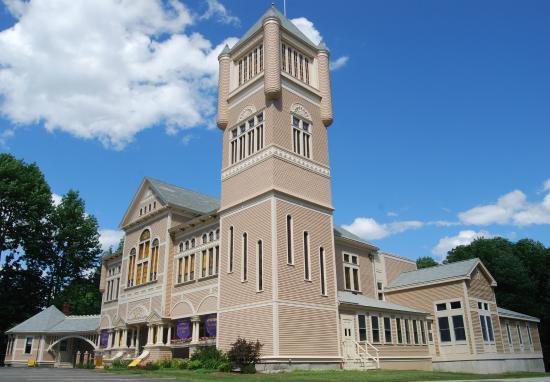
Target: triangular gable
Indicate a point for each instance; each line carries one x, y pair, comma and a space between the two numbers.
485, 271
132, 210
40, 322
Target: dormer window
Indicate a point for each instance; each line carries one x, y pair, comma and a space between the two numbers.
247, 138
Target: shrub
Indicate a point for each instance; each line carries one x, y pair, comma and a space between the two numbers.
244, 353
210, 357
183, 364
194, 364
149, 366
89, 365
225, 367
120, 364
249, 369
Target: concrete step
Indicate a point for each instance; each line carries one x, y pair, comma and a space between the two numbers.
65, 365
359, 364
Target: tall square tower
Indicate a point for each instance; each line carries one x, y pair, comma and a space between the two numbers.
277, 274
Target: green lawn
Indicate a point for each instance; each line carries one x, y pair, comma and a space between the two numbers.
322, 376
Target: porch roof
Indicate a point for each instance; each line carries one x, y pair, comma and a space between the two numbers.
516, 315
52, 320
349, 298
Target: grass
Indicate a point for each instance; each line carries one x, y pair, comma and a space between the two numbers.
323, 376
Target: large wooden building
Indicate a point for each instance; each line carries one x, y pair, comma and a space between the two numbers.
266, 261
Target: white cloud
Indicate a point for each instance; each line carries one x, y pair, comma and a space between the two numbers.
5, 135
307, 28
56, 199
339, 63
370, 229
447, 243
215, 8
392, 214
512, 208
109, 238
107, 70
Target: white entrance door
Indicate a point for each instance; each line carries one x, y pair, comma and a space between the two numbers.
348, 335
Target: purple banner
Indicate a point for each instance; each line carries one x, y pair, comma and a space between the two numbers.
104, 338
183, 329
210, 324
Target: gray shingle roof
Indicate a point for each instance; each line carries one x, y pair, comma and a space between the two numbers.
437, 273
340, 232
510, 313
285, 23
184, 198
52, 320
359, 299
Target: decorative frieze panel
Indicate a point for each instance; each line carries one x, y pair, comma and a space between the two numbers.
274, 151
246, 112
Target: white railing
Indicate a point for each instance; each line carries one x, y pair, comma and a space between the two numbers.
365, 352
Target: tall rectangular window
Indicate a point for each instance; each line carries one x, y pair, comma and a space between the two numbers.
351, 272
247, 138
529, 334
322, 271
289, 246
430, 332
423, 332
260, 264
415, 332
231, 248
519, 335
362, 327
387, 330
399, 331
444, 329
203, 264
244, 265
509, 333
301, 137
458, 325
217, 261
306, 256
28, 345
375, 329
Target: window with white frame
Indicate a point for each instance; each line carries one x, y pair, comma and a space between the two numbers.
322, 271
186, 268
423, 332
450, 320
415, 332
375, 329
260, 266
520, 337
301, 136
289, 241
380, 289
307, 273
486, 322
430, 332
528, 328
362, 322
407, 330
247, 138
387, 330
28, 345
231, 247
142, 263
351, 272
210, 261
399, 325
112, 283
244, 258
509, 335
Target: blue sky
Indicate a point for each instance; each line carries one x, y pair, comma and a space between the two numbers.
442, 108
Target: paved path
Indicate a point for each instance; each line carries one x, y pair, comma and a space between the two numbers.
23, 374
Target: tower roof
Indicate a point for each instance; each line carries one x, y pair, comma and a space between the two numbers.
285, 23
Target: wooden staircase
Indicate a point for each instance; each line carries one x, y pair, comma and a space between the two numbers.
360, 356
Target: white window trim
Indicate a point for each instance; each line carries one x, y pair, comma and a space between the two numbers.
351, 266
290, 239
230, 249
260, 243
184, 256
449, 313
25, 345
243, 263
245, 135
323, 271
384, 330
308, 255
111, 280
300, 129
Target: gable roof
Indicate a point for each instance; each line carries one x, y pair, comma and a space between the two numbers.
52, 320
341, 233
285, 23
183, 197
440, 273
359, 299
175, 196
516, 315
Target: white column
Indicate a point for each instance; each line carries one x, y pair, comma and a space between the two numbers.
137, 341
125, 338
160, 332
169, 335
117, 338
149, 334
109, 344
195, 329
